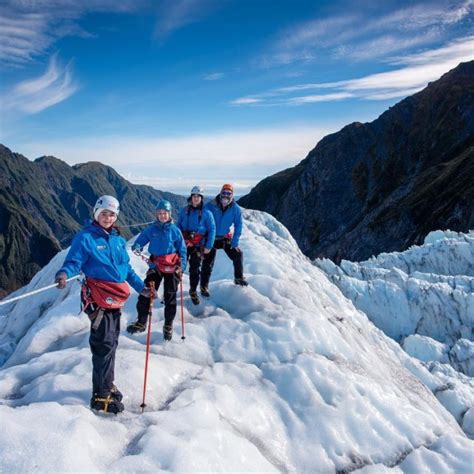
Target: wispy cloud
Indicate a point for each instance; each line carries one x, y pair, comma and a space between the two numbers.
30, 28
416, 71
359, 37
34, 95
175, 14
215, 76
308, 99
246, 101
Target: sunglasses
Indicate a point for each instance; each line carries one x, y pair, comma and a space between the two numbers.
226, 193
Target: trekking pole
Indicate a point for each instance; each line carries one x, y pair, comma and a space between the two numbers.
182, 310
54, 285
148, 339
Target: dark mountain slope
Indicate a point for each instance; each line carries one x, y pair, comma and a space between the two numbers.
45, 202
381, 186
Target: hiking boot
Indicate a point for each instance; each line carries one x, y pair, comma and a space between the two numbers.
205, 292
194, 297
241, 281
116, 394
137, 326
167, 332
106, 403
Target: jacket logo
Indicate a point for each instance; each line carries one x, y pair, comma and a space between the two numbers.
101, 247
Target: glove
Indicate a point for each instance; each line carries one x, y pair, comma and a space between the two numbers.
206, 250
136, 249
145, 292
60, 279
179, 273
236, 248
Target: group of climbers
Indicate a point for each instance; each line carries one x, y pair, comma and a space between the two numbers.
100, 253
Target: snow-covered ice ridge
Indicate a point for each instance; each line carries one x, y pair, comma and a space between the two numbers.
426, 290
423, 298
283, 376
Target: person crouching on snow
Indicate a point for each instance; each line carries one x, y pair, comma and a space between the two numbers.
227, 213
167, 262
100, 253
199, 230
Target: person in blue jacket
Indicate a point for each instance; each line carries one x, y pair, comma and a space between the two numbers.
100, 253
199, 230
227, 213
167, 262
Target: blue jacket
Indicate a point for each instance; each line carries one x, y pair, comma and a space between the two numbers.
224, 219
164, 238
200, 221
102, 256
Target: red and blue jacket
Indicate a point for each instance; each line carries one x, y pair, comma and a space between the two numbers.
200, 221
102, 255
164, 239
225, 218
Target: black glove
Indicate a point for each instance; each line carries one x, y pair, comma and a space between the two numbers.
179, 273
60, 279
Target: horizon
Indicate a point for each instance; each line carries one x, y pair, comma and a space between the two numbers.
173, 94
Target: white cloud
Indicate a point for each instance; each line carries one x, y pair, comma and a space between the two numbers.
384, 45
215, 76
359, 37
244, 156
419, 69
23, 37
28, 28
308, 99
33, 96
246, 101
175, 14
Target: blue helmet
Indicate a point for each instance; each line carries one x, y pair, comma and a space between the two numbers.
164, 204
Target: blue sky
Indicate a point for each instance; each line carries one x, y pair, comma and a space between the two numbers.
176, 93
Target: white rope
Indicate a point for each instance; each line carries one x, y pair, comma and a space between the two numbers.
136, 225
54, 285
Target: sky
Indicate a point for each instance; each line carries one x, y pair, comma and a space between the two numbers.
184, 92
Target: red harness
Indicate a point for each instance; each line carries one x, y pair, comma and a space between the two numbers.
192, 239
166, 263
105, 294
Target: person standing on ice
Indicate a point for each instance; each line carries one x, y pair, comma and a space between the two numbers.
167, 262
199, 230
100, 253
227, 213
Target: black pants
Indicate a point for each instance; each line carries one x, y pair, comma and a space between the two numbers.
103, 342
208, 261
171, 282
194, 259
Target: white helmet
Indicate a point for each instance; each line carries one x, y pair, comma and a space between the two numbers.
108, 203
197, 190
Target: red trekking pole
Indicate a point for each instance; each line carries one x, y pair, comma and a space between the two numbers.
182, 310
148, 339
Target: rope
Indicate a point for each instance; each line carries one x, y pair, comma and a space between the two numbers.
54, 285
136, 225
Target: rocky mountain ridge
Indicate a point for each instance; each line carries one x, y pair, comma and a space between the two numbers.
43, 203
382, 186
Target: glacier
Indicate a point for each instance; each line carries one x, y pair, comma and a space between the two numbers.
424, 299
286, 375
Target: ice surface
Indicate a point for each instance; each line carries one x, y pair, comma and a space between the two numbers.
283, 376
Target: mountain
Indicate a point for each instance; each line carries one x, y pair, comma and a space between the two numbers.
285, 375
43, 203
382, 186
